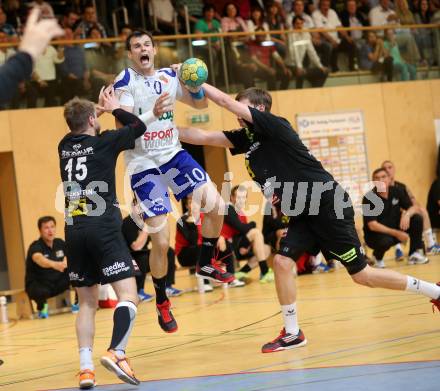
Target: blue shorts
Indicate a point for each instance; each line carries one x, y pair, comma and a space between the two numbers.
182, 174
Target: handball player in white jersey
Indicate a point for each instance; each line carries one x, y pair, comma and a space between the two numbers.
158, 163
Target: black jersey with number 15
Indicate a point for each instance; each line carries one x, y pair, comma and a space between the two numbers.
275, 153
87, 165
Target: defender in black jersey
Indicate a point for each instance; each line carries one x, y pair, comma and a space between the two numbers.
95, 248
320, 211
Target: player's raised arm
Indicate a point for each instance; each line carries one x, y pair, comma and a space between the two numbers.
241, 110
198, 136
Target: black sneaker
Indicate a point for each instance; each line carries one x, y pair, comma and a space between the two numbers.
284, 341
214, 272
165, 317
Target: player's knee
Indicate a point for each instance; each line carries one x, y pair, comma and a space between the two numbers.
282, 264
363, 277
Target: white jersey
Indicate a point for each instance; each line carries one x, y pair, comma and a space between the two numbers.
160, 142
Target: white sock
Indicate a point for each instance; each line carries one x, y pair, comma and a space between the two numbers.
398, 246
290, 317
85, 359
425, 288
429, 238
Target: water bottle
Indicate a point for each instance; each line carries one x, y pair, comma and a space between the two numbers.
3, 310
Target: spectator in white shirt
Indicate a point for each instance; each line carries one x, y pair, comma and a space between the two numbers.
299, 44
163, 11
44, 76
323, 48
382, 15
325, 17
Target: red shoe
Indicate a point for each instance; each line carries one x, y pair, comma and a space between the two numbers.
214, 272
436, 302
166, 318
284, 341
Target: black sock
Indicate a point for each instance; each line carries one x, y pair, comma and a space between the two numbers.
160, 285
246, 268
207, 250
123, 321
263, 267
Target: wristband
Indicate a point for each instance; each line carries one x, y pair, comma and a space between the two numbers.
148, 117
200, 94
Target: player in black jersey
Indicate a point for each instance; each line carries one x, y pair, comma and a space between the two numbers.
321, 214
95, 248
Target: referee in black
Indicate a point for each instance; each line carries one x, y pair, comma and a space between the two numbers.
95, 248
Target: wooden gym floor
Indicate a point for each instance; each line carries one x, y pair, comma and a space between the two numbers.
359, 339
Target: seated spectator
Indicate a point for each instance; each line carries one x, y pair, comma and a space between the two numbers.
16, 12
382, 14
270, 65
44, 76
46, 274
247, 240
89, 21
231, 20
163, 11
364, 9
5, 27
257, 21
433, 204
70, 19
430, 242
424, 37
195, 12
325, 17
375, 57
406, 70
275, 22
351, 17
394, 223
300, 45
99, 62
323, 48
120, 55
189, 239
208, 24
74, 73
45, 8
5, 52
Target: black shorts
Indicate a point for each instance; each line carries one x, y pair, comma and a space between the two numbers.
335, 238
97, 255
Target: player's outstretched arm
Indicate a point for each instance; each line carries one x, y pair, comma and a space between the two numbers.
194, 99
224, 100
198, 136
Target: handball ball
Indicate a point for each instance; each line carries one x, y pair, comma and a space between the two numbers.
193, 72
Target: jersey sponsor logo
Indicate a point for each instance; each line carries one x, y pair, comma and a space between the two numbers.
168, 115
116, 268
394, 201
60, 254
76, 207
76, 147
78, 152
159, 139
75, 277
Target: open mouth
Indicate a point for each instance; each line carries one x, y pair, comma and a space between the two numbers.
145, 59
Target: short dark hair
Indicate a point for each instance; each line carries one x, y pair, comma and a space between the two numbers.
377, 170
256, 96
136, 34
297, 17
77, 112
208, 7
226, 7
44, 220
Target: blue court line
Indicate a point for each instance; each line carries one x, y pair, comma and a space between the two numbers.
416, 376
